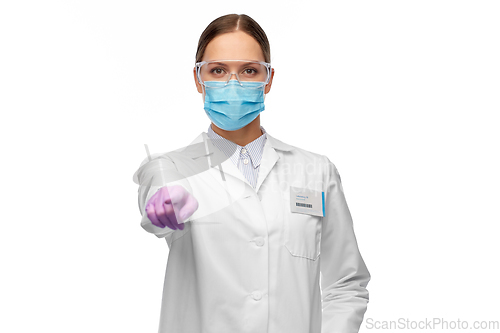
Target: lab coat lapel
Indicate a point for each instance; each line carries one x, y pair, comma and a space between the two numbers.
270, 157
267, 162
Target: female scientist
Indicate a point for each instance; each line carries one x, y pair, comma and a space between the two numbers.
260, 236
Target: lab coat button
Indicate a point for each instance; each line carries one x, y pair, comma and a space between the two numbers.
256, 295
259, 241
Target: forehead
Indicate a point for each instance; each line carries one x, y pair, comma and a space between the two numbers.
233, 46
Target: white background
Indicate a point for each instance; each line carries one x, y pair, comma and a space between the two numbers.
402, 96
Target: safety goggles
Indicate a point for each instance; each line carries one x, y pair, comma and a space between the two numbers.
218, 73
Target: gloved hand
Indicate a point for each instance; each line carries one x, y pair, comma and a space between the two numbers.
169, 202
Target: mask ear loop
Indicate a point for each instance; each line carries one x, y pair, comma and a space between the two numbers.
269, 72
202, 84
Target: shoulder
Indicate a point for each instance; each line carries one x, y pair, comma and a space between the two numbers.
309, 160
313, 165
300, 155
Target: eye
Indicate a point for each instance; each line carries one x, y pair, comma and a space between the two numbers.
217, 71
249, 71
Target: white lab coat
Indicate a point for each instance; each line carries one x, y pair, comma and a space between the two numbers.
244, 262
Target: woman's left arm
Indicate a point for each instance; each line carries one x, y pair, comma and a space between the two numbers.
344, 275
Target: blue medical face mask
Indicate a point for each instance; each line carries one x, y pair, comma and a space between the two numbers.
232, 107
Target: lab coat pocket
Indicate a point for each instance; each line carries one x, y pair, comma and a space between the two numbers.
302, 233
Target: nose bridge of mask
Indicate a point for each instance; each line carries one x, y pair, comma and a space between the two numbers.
233, 91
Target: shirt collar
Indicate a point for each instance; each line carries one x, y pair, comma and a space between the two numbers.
233, 150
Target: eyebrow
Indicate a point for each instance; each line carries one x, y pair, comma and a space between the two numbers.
222, 63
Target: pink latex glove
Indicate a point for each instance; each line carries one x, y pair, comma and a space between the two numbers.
161, 206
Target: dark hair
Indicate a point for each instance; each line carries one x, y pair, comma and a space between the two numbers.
230, 23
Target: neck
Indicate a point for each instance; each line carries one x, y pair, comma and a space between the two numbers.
244, 135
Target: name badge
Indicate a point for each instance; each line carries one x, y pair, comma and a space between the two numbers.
307, 201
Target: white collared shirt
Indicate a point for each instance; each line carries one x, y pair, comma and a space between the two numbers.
247, 158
